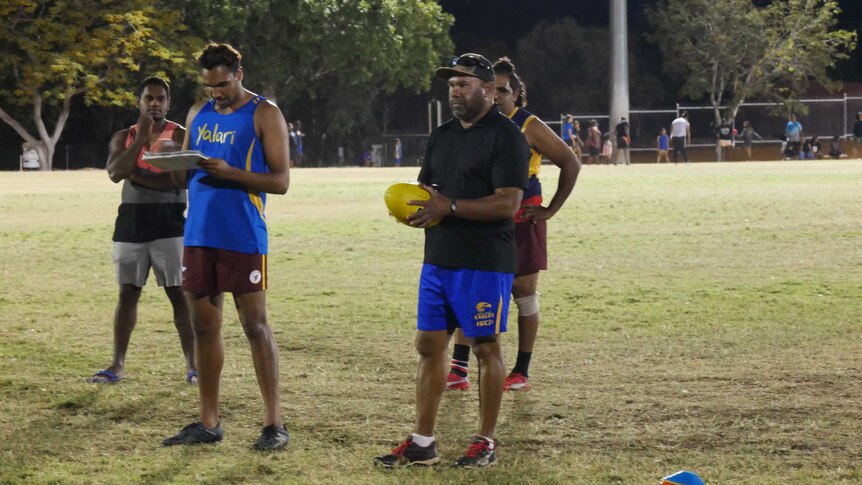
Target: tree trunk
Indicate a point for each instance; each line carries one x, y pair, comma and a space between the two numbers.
45, 149
46, 143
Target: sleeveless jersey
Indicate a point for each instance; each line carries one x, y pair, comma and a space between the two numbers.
145, 215
662, 142
533, 194
224, 214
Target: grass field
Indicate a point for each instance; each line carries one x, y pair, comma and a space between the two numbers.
702, 317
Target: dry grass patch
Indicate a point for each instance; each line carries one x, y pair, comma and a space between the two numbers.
701, 317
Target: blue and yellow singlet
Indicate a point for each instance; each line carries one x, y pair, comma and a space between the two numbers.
533, 194
224, 214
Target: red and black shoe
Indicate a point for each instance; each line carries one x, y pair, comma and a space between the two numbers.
454, 382
516, 382
482, 452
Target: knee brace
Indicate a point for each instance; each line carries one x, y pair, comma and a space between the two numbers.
528, 305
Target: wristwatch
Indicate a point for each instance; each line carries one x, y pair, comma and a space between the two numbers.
452, 206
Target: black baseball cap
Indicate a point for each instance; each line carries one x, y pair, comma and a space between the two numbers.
469, 64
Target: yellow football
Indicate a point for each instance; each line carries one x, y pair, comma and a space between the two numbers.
397, 196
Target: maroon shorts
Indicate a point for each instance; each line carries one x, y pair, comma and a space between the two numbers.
209, 270
531, 239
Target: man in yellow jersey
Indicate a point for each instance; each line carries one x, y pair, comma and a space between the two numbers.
530, 227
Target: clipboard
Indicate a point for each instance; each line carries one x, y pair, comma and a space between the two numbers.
173, 161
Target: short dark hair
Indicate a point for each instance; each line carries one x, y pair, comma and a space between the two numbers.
504, 65
153, 81
215, 55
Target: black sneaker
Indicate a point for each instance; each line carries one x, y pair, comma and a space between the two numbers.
195, 433
272, 437
409, 453
481, 453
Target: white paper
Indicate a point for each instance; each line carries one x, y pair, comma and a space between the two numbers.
172, 161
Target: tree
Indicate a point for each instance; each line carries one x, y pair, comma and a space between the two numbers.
335, 58
52, 51
733, 50
566, 69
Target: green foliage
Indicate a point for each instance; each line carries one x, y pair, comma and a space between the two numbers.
98, 48
732, 50
55, 50
341, 55
569, 64
540, 57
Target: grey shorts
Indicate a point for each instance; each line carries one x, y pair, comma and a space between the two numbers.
133, 262
857, 140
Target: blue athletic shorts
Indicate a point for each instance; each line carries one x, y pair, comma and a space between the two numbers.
476, 301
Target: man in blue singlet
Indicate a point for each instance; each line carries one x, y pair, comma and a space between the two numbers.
246, 138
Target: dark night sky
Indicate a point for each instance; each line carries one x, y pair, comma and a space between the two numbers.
507, 20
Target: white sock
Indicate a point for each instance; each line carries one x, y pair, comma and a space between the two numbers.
423, 441
489, 440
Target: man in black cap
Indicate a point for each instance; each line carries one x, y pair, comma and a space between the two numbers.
476, 169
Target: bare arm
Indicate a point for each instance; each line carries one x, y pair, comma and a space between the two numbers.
502, 204
272, 130
550, 145
122, 160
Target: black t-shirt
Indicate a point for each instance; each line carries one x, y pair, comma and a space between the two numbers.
621, 128
725, 132
470, 164
857, 128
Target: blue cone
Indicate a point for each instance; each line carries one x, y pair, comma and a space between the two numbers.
682, 478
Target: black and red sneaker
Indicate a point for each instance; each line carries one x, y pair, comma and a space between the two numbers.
482, 452
409, 453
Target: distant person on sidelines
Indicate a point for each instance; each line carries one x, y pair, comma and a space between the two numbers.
623, 141
816, 148
577, 143
680, 136
793, 132
530, 227
569, 132
594, 142
291, 132
835, 148
748, 135
806, 152
226, 243
399, 152
148, 232
479, 163
297, 140
662, 144
607, 149
724, 132
857, 135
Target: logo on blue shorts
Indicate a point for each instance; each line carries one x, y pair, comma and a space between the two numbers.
484, 317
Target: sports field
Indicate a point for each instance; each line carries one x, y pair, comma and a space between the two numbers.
703, 317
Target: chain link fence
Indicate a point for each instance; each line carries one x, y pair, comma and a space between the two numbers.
826, 118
